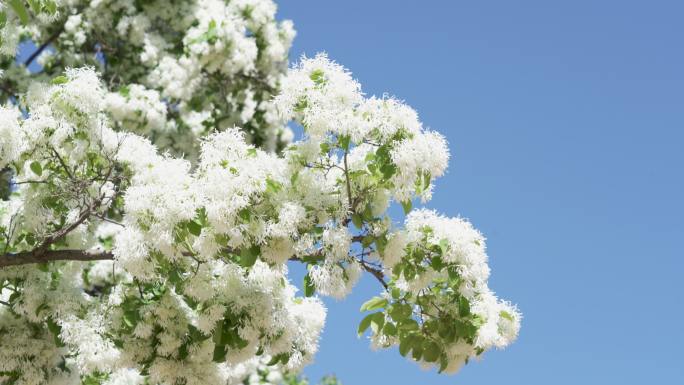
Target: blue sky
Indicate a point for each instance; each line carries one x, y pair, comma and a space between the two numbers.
566, 125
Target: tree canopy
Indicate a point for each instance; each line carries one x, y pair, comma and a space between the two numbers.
154, 194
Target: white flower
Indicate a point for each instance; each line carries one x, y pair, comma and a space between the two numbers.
423, 156
335, 280
125, 377
137, 109
11, 141
395, 249
95, 352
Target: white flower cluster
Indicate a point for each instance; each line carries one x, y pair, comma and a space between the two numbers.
10, 140
383, 151
193, 283
338, 274
462, 249
326, 100
138, 109
465, 246
215, 300
183, 67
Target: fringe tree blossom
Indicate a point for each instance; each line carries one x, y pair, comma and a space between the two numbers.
215, 64
122, 262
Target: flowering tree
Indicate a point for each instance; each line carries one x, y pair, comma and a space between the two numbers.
154, 196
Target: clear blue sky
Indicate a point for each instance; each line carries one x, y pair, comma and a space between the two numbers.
566, 124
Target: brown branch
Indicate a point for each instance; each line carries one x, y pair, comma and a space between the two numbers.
38, 256
377, 273
64, 166
43, 46
358, 238
61, 233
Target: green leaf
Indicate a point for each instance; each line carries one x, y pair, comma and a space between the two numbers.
431, 351
95, 378
506, 315
405, 346
444, 329
124, 91
365, 323
381, 243
293, 178
219, 353
217, 336
196, 335
30, 239
43, 306
245, 215
130, 318
417, 348
344, 141
409, 272
50, 6
407, 205
3, 19
325, 148
273, 186
194, 228
282, 358
309, 288
367, 241
409, 325
318, 77
400, 312
249, 256
21, 11
357, 220
183, 351
423, 182
35, 5
368, 213
374, 303
377, 322
209, 36
444, 246
14, 296
55, 329
60, 80
36, 168
443, 364
388, 170
389, 329
437, 263
463, 307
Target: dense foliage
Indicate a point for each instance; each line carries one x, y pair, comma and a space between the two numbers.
154, 196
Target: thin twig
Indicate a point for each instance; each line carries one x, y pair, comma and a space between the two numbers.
377, 273
43, 46
61, 161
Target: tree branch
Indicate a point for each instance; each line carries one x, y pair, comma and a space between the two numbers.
42, 47
377, 273
38, 256
61, 233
